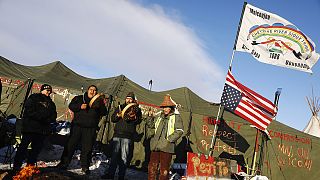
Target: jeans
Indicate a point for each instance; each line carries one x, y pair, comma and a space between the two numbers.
120, 156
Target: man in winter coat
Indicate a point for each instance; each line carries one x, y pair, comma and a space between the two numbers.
83, 129
164, 131
39, 113
126, 117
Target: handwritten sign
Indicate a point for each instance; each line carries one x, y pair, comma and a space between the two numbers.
202, 166
289, 137
292, 156
228, 139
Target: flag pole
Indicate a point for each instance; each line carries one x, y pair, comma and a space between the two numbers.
213, 139
239, 26
256, 146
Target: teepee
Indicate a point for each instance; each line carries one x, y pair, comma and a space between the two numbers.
313, 127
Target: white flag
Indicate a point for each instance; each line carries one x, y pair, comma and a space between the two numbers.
273, 40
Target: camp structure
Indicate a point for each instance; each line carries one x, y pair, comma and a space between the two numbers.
289, 154
313, 127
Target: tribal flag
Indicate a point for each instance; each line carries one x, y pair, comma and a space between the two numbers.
273, 40
247, 104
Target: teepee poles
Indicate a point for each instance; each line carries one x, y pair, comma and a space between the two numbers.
313, 127
313, 104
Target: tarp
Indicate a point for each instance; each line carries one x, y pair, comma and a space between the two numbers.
290, 154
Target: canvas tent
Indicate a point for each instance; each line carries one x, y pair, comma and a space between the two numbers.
313, 127
290, 154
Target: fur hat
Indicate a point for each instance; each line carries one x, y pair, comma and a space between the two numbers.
131, 95
168, 102
46, 86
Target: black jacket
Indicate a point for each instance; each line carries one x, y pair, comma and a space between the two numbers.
39, 113
123, 128
86, 117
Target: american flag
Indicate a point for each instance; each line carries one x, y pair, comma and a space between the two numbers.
247, 104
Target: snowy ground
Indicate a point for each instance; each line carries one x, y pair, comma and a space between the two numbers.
49, 158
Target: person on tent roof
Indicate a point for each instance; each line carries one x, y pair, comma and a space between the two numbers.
39, 113
164, 131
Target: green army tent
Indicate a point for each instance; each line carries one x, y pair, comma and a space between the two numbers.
290, 154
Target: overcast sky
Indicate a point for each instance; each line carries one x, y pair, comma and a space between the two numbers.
107, 38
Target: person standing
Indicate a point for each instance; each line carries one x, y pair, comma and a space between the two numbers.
39, 113
125, 117
83, 129
164, 131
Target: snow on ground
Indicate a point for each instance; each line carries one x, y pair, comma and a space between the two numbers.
49, 158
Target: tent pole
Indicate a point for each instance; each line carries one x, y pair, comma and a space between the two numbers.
30, 83
261, 156
263, 136
256, 149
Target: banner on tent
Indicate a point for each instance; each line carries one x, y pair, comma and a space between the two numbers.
293, 156
146, 107
228, 135
12, 88
289, 137
292, 150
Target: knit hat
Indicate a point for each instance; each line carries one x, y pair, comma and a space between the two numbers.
168, 102
46, 86
131, 95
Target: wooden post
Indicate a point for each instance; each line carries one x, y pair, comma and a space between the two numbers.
254, 158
